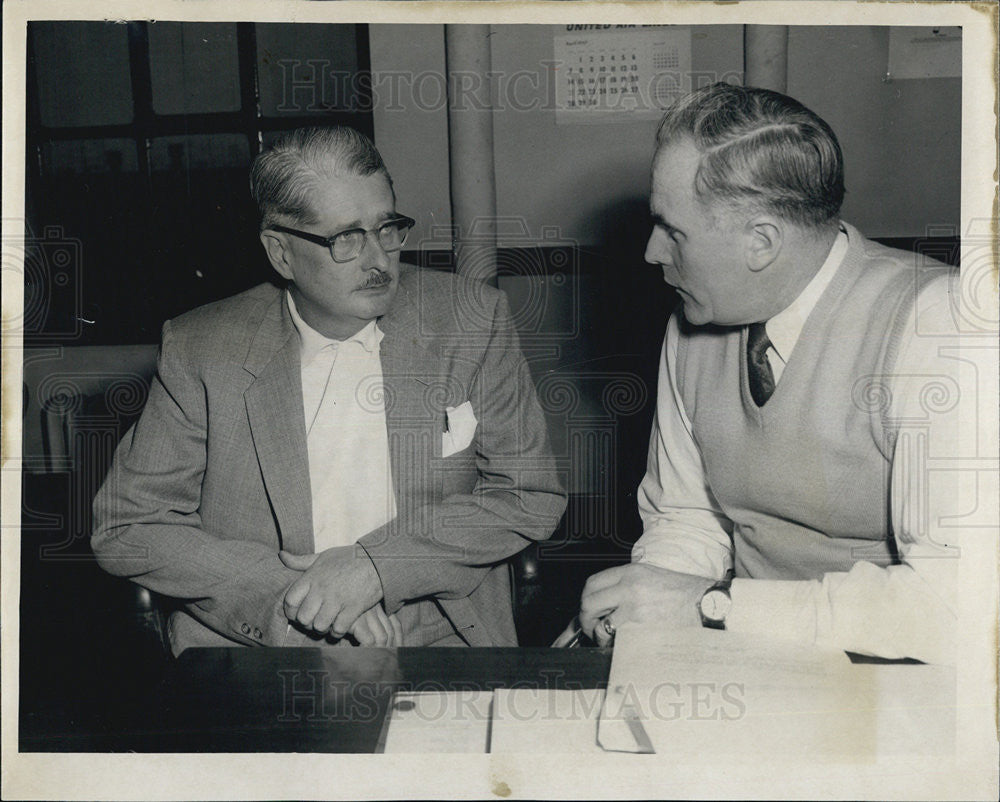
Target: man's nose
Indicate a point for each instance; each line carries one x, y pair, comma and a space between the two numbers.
655, 252
376, 255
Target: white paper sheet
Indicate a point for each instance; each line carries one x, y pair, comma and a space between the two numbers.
546, 721
442, 722
710, 695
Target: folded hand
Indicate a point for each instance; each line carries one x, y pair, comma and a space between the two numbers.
337, 586
375, 628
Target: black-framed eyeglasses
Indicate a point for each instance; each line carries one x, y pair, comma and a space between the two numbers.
347, 245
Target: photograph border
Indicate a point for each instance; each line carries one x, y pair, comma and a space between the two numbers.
971, 773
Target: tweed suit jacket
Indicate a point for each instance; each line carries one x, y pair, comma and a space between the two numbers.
213, 480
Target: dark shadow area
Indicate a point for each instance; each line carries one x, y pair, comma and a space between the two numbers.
89, 663
138, 140
624, 309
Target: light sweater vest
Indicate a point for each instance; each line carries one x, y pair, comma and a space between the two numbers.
805, 478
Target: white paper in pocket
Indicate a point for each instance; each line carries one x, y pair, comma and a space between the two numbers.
461, 429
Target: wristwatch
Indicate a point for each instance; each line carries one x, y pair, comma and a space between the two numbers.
715, 604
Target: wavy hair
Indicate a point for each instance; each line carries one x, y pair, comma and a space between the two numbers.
283, 177
760, 150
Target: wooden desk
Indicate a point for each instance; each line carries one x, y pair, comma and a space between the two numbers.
319, 700
334, 700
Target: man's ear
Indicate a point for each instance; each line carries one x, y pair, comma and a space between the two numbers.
764, 238
277, 253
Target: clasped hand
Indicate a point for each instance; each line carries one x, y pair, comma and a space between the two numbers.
339, 592
640, 592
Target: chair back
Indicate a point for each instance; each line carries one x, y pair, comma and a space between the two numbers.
87, 398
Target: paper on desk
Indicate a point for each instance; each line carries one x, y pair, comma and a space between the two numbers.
546, 721
704, 693
502, 721
915, 707
444, 722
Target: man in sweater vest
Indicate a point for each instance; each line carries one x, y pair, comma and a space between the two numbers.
803, 381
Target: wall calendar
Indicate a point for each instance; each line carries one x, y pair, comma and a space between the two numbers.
618, 73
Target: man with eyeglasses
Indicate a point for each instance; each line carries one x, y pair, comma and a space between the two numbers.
349, 459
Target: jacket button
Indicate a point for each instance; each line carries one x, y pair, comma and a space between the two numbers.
245, 629
258, 634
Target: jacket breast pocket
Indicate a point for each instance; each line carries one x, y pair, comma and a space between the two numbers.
460, 429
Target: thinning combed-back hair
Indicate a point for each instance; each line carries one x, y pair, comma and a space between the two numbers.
283, 177
760, 151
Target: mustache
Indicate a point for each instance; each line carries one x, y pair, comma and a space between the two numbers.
376, 278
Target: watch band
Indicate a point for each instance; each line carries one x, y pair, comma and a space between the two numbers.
723, 585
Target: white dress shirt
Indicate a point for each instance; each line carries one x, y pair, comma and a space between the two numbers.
901, 610
350, 475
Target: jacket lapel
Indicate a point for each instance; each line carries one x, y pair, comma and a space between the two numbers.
416, 395
274, 409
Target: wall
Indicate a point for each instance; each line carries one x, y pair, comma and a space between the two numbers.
572, 177
901, 139
600, 319
411, 122
578, 177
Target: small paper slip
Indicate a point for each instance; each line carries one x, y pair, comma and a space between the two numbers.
443, 722
544, 721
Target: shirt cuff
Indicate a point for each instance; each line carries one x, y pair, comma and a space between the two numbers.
389, 604
783, 610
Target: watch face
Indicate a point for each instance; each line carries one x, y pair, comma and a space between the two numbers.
715, 605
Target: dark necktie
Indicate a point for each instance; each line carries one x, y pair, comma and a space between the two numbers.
758, 368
